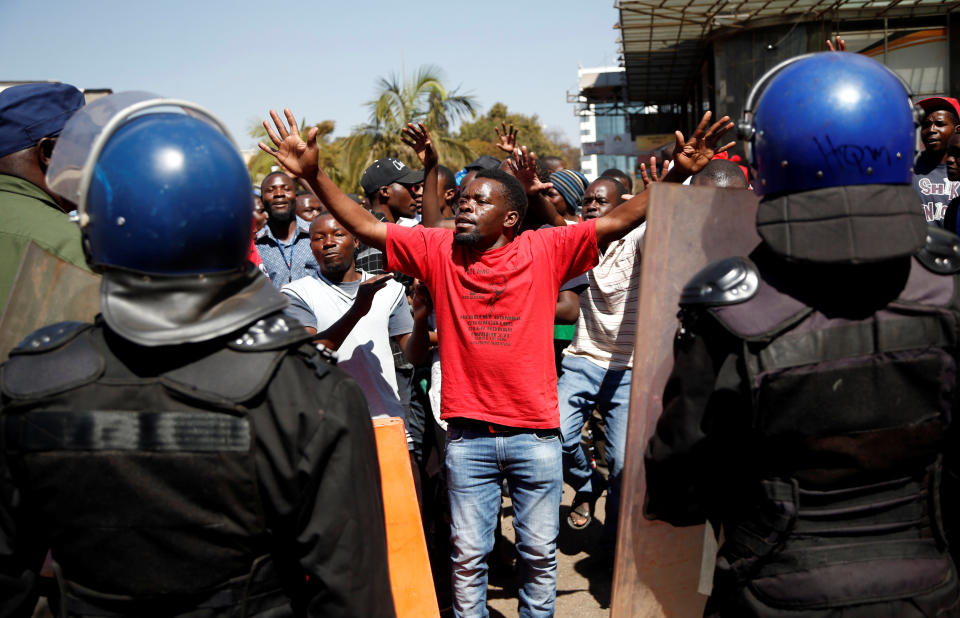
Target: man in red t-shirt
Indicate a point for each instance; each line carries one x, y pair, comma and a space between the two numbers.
494, 294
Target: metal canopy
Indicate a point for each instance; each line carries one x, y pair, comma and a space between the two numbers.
662, 41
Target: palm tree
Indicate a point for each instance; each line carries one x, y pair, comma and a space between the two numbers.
421, 98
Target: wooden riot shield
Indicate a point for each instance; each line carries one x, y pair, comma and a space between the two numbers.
46, 290
658, 566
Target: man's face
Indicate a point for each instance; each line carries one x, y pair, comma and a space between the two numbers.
259, 213
953, 157
445, 194
936, 130
599, 199
278, 197
481, 213
308, 207
417, 192
332, 245
401, 201
553, 196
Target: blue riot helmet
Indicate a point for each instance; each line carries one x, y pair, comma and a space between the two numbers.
160, 192
166, 214
828, 119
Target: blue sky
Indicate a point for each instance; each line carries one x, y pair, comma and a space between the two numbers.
321, 59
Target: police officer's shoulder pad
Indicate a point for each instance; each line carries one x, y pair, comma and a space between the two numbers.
52, 360
49, 337
271, 333
941, 253
724, 282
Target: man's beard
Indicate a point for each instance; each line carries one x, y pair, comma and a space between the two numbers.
282, 216
335, 270
467, 239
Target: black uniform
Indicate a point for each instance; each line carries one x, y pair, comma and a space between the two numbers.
232, 477
807, 412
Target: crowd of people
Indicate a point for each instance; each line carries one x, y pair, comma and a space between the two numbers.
495, 310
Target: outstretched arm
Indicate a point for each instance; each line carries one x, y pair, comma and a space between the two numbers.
418, 138
416, 345
691, 156
334, 335
299, 159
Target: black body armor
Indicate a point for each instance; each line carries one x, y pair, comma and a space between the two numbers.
179, 480
835, 386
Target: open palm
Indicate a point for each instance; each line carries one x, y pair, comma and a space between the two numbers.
296, 156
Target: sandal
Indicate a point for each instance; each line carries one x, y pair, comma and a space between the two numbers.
583, 508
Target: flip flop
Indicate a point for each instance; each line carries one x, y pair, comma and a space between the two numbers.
582, 506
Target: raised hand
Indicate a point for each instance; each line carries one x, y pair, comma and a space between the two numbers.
422, 303
840, 46
652, 177
692, 155
507, 140
367, 290
418, 138
297, 157
524, 166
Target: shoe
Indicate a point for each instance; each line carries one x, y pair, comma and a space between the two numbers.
582, 507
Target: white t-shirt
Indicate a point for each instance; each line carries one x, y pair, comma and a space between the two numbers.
607, 326
365, 353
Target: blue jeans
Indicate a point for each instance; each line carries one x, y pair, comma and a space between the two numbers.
584, 386
530, 461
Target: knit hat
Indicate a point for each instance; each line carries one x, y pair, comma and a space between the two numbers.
571, 186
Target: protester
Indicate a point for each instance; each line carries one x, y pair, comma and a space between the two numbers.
952, 163
31, 118
494, 293
620, 176
392, 190
720, 173
180, 456
308, 206
566, 194
813, 384
284, 244
597, 365
939, 124
355, 314
259, 212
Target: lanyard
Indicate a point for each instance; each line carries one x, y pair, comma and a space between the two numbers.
288, 262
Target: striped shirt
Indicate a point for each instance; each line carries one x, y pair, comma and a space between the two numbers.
607, 326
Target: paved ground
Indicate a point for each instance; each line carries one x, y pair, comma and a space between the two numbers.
583, 581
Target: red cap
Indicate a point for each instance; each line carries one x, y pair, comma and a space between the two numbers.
931, 102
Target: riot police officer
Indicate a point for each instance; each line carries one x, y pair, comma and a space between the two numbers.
188, 453
814, 382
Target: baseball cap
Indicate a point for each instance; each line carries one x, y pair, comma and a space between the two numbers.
483, 162
937, 102
388, 171
30, 112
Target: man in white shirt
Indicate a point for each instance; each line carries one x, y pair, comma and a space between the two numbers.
598, 362
356, 314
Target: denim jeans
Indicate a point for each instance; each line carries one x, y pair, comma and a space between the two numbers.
530, 461
584, 386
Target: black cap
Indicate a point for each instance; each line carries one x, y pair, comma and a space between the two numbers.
388, 171
483, 162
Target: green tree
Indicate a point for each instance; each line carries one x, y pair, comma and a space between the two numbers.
480, 136
400, 100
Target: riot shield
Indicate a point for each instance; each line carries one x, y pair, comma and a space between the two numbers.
658, 566
46, 290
